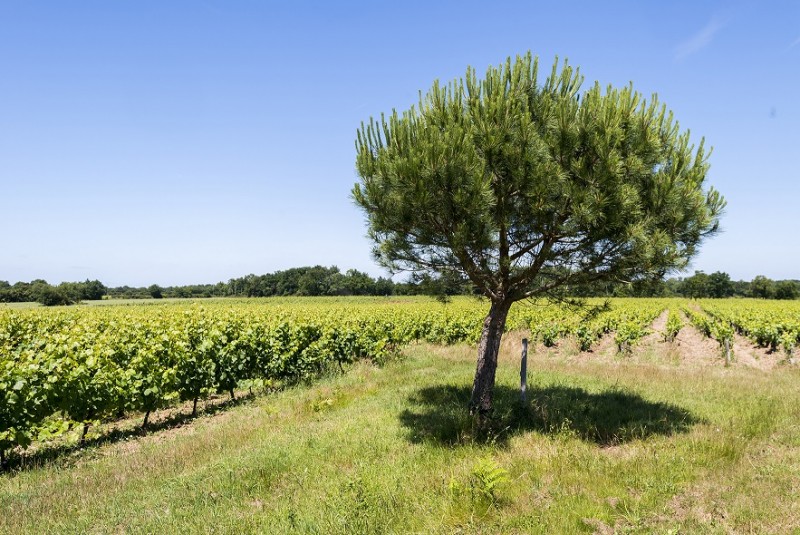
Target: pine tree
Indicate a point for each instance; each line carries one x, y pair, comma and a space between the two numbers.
531, 188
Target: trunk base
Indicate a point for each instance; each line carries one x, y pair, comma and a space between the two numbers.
480, 404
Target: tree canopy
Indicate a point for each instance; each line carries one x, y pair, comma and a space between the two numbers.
528, 187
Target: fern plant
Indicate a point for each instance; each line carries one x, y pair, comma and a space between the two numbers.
484, 484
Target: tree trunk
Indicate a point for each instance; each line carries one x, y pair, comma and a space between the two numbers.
194, 408
482, 389
83, 434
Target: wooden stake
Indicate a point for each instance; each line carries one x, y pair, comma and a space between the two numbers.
523, 372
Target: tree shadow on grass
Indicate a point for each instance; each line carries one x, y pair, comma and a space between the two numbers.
439, 415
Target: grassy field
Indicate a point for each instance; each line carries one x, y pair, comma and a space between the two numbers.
20, 306
644, 443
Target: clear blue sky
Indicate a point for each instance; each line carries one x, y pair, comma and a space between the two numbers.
191, 142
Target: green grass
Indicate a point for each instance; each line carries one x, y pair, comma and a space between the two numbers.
632, 446
20, 306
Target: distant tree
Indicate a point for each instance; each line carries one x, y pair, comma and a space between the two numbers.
314, 280
384, 286
443, 285
762, 287
646, 288
786, 290
359, 283
23, 291
93, 290
254, 286
741, 288
155, 291
673, 287
72, 290
530, 188
48, 295
5, 292
720, 285
287, 282
182, 293
123, 292
696, 286
220, 289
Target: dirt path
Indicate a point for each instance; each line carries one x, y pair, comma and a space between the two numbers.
694, 349
690, 349
606, 347
746, 353
656, 334
660, 324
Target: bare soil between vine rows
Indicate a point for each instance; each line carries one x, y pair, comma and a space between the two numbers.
690, 349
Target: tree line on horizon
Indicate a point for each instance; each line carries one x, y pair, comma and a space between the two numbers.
330, 281
301, 281
701, 285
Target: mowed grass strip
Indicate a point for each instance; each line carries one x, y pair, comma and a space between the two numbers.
633, 447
